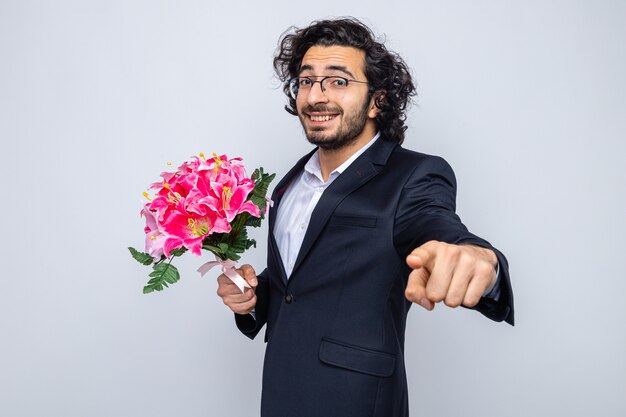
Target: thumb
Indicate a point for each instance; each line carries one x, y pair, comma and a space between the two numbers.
416, 288
248, 273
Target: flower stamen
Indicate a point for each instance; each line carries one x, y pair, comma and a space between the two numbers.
174, 197
197, 229
218, 161
226, 196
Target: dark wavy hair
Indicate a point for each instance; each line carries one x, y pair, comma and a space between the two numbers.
387, 75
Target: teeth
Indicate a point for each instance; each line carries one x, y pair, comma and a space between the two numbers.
321, 118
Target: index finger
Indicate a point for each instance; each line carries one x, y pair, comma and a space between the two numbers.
423, 256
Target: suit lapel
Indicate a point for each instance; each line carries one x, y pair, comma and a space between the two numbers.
279, 191
363, 169
284, 184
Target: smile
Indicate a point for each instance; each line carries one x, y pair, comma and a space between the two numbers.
322, 117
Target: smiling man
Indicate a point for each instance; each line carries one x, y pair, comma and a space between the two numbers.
360, 230
341, 124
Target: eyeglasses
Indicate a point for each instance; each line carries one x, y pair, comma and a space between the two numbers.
331, 86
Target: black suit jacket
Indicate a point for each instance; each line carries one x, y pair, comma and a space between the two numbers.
335, 329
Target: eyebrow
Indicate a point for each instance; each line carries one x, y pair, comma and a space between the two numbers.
330, 67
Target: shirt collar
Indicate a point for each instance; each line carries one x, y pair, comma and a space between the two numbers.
312, 166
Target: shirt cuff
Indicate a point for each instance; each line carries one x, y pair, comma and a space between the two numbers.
494, 293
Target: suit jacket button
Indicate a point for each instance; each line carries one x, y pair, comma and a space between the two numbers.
289, 298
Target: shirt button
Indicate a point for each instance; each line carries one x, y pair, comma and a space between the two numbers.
302, 226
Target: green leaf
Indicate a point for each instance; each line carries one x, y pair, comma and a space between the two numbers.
162, 274
253, 221
212, 248
165, 271
178, 252
239, 245
233, 256
141, 257
261, 184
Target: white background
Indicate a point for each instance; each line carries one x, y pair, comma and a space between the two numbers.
526, 100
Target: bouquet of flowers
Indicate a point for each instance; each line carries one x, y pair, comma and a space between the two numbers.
205, 204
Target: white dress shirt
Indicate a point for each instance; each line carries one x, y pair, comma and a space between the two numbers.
299, 201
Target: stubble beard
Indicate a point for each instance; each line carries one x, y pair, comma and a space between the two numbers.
351, 127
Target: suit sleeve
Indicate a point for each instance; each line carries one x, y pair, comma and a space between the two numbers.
248, 324
426, 211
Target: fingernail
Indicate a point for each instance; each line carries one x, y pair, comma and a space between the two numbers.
253, 281
425, 303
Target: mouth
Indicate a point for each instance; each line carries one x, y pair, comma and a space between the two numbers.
321, 118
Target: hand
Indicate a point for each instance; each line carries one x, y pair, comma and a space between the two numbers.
455, 274
240, 303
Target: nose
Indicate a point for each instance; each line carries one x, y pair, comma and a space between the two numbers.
316, 95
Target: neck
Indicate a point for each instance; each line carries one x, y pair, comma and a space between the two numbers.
330, 159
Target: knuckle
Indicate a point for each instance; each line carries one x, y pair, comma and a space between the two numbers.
485, 268
465, 258
452, 251
222, 291
453, 301
408, 292
470, 300
411, 294
463, 267
435, 294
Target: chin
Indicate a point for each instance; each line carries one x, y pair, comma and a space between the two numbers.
329, 142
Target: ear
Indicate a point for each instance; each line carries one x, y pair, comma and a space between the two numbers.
376, 102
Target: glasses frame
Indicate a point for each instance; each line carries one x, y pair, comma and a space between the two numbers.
294, 95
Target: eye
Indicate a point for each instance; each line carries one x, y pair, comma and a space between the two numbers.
304, 82
339, 82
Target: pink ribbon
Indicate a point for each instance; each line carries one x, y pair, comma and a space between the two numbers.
228, 269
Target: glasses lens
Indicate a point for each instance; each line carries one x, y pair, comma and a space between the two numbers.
334, 87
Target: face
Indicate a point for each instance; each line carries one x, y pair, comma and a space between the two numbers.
329, 121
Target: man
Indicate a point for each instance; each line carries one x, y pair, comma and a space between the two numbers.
360, 229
